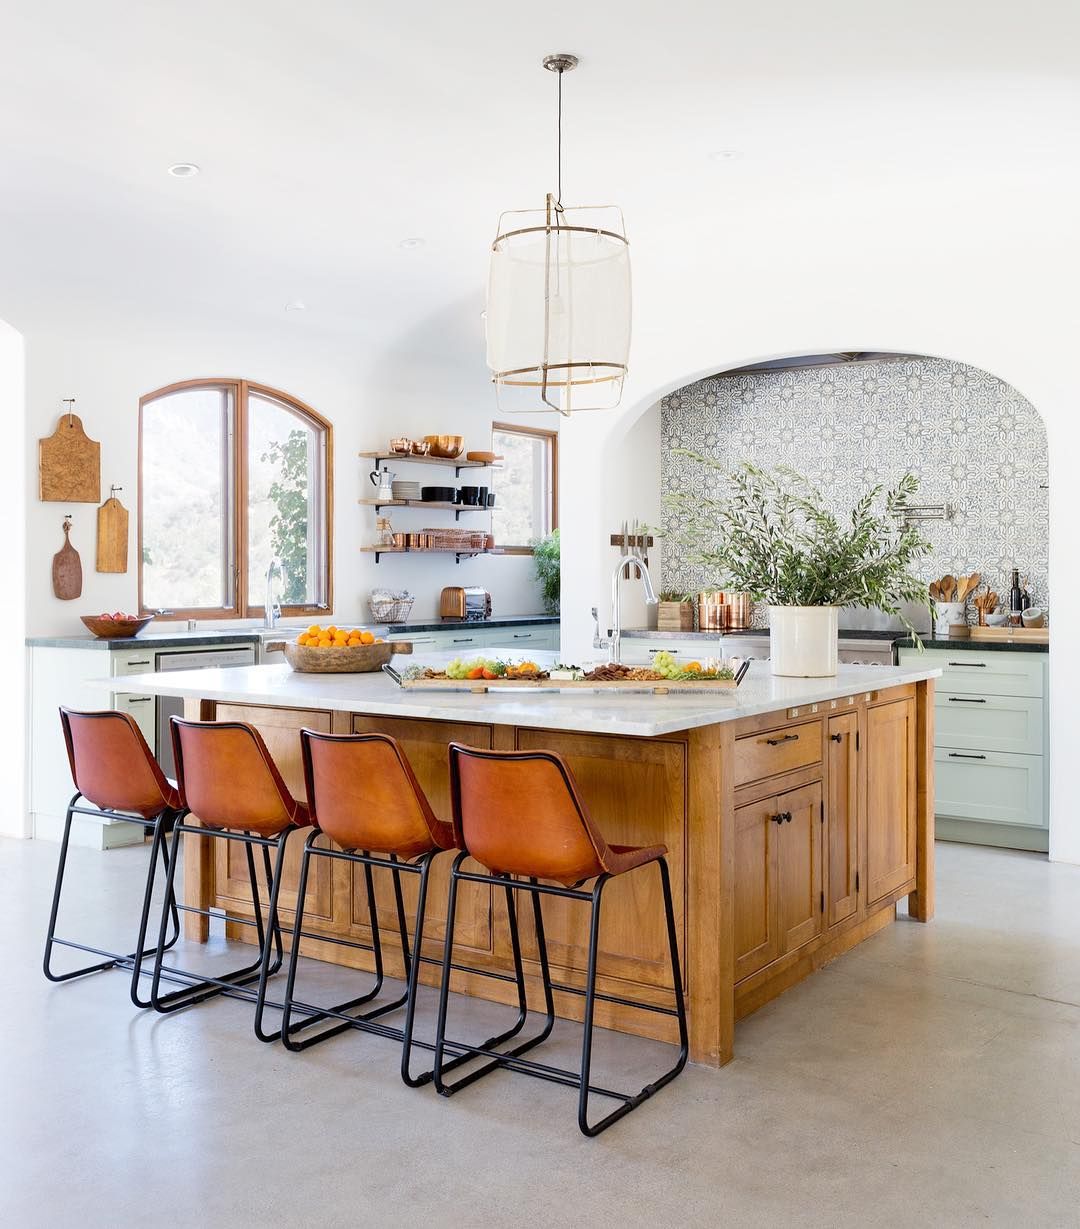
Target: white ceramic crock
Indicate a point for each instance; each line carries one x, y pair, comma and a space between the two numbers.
803, 640
946, 614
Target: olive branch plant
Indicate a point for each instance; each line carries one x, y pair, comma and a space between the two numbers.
770, 533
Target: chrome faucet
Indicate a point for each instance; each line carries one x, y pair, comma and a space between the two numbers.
272, 609
613, 642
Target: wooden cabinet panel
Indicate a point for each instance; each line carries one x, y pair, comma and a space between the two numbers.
636, 793
890, 800
775, 751
280, 729
424, 744
757, 940
842, 812
799, 878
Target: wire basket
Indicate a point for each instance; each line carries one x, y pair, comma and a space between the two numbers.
390, 607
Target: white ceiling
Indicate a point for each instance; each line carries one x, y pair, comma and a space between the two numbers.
328, 132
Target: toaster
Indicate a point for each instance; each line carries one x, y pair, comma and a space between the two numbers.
464, 603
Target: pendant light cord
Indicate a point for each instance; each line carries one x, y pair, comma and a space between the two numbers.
558, 145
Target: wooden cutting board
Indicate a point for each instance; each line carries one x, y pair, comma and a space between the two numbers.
67, 568
112, 536
69, 464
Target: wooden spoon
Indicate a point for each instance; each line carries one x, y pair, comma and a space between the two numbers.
948, 588
935, 591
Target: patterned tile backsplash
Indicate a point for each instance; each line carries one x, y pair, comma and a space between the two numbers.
973, 441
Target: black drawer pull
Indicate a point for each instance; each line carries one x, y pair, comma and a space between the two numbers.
140, 700
964, 700
965, 755
971, 665
463, 640
780, 817
788, 738
837, 738
522, 635
138, 663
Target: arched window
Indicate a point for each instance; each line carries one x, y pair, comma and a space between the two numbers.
232, 476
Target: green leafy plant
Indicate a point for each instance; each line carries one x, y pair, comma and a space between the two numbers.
289, 524
771, 534
546, 563
672, 596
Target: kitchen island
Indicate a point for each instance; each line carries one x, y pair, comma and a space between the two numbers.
796, 812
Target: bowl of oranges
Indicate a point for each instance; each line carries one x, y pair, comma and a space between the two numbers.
340, 650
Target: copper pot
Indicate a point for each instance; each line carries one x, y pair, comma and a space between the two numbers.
711, 611
449, 447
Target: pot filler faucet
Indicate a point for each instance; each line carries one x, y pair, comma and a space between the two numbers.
612, 643
272, 609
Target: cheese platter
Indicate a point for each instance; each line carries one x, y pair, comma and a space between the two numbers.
481, 675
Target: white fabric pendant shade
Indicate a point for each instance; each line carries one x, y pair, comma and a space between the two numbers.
558, 309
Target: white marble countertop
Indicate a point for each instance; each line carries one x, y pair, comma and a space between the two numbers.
634, 713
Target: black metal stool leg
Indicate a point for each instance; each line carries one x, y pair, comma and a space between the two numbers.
315, 1015
274, 922
157, 849
50, 935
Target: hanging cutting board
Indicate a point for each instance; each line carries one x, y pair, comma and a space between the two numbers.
69, 464
112, 536
67, 568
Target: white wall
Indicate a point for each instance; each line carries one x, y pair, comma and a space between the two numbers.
12, 655
107, 369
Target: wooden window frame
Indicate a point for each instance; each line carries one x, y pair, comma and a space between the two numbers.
551, 438
243, 588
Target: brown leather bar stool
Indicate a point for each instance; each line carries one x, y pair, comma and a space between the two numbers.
114, 769
363, 796
519, 814
230, 783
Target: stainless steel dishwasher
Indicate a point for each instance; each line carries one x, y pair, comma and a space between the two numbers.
195, 659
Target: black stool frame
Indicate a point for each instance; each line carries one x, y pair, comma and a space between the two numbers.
155, 824
197, 988
412, 956
511, 1059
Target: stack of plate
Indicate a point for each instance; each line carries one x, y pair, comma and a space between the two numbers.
406, 490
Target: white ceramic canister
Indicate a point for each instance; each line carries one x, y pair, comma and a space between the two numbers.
803, 640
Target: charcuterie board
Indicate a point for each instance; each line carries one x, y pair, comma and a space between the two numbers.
649, 687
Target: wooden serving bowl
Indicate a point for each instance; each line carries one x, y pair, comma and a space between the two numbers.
113, 629
448, 447
360, 659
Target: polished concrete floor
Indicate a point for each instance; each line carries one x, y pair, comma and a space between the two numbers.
930, 1077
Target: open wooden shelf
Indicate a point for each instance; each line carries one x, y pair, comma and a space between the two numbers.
457, 509
444, 462
466, 553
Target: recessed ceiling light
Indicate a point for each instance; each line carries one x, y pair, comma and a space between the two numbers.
296, 305
725, 155
411, 243
183, 170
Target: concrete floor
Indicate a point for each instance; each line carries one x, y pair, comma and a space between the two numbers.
931, 1076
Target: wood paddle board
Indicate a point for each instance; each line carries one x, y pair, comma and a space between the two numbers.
69, 464
67, 568
112, 536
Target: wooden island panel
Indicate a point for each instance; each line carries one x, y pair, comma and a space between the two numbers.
759, 904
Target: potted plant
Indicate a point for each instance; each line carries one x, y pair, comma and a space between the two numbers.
546, 565
675, 612
772, 534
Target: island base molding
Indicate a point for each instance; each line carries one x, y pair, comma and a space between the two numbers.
791, 838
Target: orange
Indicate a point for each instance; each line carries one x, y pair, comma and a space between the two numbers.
379, 640
302, 638
367, 637
693, 665
314, 630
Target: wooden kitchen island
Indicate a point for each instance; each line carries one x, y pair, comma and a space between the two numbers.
796, 812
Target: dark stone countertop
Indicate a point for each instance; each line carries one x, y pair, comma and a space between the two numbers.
439, 625
966, 643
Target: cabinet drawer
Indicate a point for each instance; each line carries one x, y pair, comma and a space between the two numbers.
990, 785
520, 637
989, 723
459, 642
987, 674
137, 661
775, 751
144, 711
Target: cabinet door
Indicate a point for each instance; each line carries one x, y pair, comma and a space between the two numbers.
890, 798
757, 939
799, 898
842, 818
511, 638
144, 710
459, 641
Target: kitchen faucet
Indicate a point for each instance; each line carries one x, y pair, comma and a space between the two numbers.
613, 641
272, 609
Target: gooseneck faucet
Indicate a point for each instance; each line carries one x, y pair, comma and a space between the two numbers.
613, 642
272, 609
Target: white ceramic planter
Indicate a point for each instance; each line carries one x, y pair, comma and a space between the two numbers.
946, 614
803, 640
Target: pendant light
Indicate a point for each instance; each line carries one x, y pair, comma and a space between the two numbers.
558, 304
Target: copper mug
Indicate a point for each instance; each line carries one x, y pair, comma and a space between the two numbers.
712, 611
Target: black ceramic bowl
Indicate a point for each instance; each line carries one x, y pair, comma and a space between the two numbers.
438, 494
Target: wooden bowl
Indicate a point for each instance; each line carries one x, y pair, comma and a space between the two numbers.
360, 659
446, 446
113, 629
486, 458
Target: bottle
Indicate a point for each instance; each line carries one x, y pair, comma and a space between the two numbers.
1016, 598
